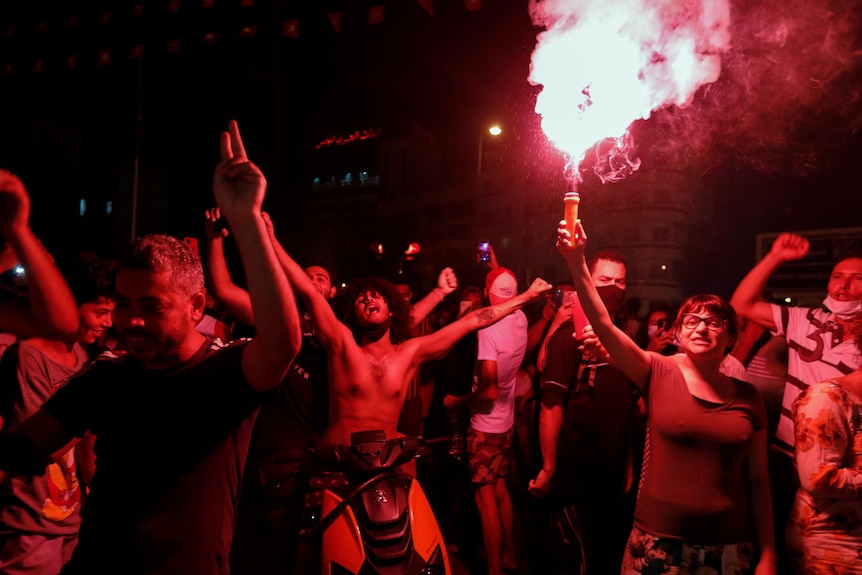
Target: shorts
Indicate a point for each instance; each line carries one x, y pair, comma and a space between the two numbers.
646, 553
489, 455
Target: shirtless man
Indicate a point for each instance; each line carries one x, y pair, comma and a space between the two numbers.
369, 369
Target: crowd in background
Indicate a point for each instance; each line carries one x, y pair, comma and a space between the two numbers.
598, 437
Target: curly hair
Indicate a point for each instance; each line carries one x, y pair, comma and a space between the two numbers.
160, 253
345, 299
715, 305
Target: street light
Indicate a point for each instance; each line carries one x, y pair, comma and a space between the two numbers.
495, 131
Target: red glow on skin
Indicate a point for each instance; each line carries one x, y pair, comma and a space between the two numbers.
605, 63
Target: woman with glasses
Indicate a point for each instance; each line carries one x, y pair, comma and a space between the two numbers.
824, 532
704, 505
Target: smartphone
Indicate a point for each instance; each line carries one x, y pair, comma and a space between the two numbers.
193, 245
465, 307
560, 296
661, 324
15, 278
484, 251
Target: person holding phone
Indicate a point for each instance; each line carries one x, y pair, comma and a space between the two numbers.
485, 254
588, 430
656, 333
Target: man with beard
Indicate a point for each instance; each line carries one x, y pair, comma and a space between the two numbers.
173, 416
820, 348
371, 359
587, 435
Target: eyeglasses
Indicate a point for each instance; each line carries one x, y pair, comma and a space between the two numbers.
713, 322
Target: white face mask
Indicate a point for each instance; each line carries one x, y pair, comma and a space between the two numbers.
843, 309
651, 331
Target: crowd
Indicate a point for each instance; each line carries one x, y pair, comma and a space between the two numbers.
157, 417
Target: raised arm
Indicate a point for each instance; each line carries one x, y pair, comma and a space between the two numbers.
747, 300
536, 333
435, 345
446, 284
234, 298
239, 188
50, 308
328, 329
562, 315
632, 360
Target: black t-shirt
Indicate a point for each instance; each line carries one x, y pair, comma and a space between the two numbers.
294, 416
599, 424
170, 446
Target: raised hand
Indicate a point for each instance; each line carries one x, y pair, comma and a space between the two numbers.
14, 204
568, 247
238, 185
267, 222
789, 247
661, 340
564, 312
591, 346
211, 216
447, 281
537, 289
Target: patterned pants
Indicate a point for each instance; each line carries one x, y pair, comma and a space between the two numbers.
649, 555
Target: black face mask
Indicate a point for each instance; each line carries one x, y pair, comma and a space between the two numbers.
612, 296
372, 332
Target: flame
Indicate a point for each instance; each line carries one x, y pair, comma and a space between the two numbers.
603, 64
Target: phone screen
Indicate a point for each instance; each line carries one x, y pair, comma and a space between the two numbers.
484, 251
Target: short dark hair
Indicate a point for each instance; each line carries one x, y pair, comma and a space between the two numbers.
160, 253
610, 255
715, 305
317, 262
90, 277
345, 298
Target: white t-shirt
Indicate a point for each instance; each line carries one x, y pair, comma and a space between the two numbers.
814, 355
504, 342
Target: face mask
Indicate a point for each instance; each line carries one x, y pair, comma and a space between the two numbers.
651, 331
612, 296
843, 309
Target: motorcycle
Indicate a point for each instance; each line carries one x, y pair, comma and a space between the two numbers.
366, 517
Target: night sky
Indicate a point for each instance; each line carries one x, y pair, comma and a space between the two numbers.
776, 139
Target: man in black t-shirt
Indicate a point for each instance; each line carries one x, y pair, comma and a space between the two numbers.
173, 416
587, 427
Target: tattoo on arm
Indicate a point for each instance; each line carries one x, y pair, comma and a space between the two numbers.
486, 316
